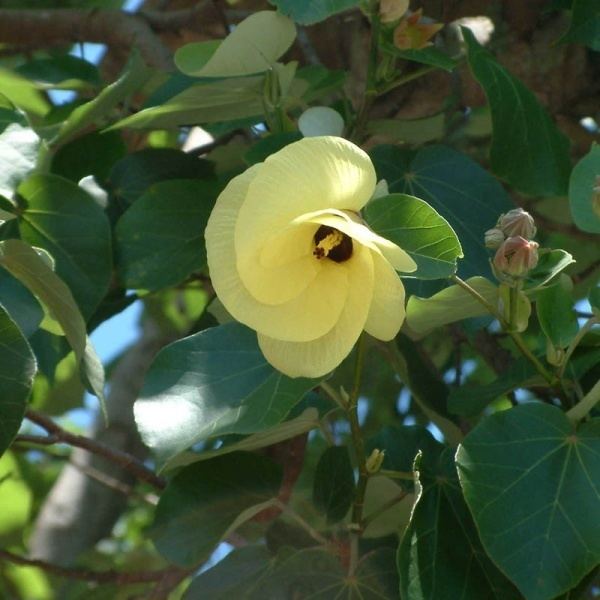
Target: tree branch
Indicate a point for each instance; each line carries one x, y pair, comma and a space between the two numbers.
119, 577
30, 29
123, 459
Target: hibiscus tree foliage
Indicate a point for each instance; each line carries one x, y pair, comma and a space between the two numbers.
362, 236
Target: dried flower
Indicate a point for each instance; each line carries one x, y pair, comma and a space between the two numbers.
413, 34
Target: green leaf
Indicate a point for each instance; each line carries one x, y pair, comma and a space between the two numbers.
17, 368
232, 576
333, 488
381, 492
321, 81
160, 238
528, 150
307, 13
61, 72
24, 263
20, 304
558, 320
134, 76
463, 193
307, 420
531, 481
19, 146
440, 555
410, 131
252, 47
417, 228
17, 499
90, 154
471, 400
269, 145
203, 103
585, 24
317, 573
213, 383
135, 173
431, 56
23, 94
203, 500
585, 203
448, 306
550, 264
61, 218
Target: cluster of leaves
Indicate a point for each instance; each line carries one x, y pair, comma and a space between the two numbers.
501, 503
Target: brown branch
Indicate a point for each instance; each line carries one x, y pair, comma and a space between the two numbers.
47, 28
119, 577
123, 459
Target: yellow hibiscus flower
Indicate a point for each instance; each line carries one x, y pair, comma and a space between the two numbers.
290, 256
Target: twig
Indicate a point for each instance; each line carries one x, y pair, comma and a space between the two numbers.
587, 403
123, 459
292, 514
112, 576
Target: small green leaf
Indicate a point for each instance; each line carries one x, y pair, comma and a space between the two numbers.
417, 228
24, 263
203, 103
135, 173
20, 304
252, 47
585, 24
164, 227
17, 500
440, 556
23, 93
212, 383
61, 218
558, 320
431, 56
450, 305
308, 12
528, 150
333, 488
203, 500
19, 146
17, 368
531, 481
585, 202
467, 196
550, 264
471, 400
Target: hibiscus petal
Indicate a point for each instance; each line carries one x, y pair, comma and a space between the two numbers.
387, 311
322, 355
309, 316
309, 175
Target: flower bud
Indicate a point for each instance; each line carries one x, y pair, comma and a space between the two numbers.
392, 10
493, 238
516, 256
517, 222
375, 461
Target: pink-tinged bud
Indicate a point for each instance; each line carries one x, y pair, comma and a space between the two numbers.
517, 222
493, 238
516, 256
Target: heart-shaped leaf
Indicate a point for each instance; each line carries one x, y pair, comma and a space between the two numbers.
213, 383
531, 480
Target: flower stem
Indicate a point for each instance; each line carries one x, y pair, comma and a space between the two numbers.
506, 326
361, 460
405, 79
575, 342
371, 92
587, 403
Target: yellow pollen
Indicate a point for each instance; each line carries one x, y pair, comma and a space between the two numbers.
328, 243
